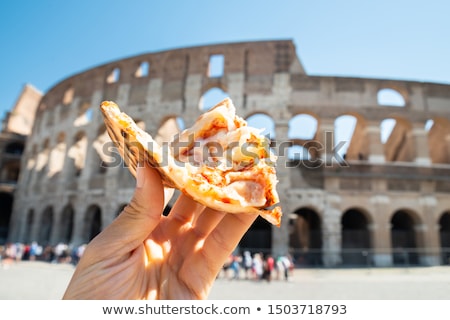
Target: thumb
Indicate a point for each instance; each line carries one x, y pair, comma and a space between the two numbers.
140, 216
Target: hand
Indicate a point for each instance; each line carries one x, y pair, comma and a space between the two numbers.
145, 255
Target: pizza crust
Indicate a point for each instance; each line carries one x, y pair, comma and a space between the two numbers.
220, 161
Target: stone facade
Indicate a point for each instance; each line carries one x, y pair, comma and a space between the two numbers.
15, 127
383, 203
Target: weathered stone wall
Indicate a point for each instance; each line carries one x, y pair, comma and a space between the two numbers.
65, 181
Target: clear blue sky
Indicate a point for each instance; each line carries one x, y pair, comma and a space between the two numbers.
43, 42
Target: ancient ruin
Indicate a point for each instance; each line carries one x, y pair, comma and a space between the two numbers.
367, 197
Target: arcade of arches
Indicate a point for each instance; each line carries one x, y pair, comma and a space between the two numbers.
359, 236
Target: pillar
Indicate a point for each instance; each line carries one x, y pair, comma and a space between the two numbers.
420, 143
428, 233
280, 235
326, 141
375, 146
331, 233
381, 232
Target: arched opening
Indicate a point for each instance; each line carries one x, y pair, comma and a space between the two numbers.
29, 226
168, 129
143, 70
258, 238
444, 237
298, 153
263, 122
390, 97
403, 239
57, 156
14, 148
77, 153
212, 97
344, 128
46, 226
386, 127
67, 223
85, 114
355, 238
102, 144
395, 137
302, 130
68, 96
305, 237
113, 76
10, 171
92, 223
438, 140
216, 65
42, 160
6, 201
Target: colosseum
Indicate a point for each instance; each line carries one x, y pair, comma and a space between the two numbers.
363, 164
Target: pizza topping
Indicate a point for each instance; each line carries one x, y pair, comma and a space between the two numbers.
219, 161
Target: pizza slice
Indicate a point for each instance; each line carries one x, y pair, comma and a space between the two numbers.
220, 161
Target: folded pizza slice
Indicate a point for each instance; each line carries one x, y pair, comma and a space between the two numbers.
220, 161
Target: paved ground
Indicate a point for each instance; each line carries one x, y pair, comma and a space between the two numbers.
44, 281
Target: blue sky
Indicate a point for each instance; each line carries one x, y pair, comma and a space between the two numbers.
43, 42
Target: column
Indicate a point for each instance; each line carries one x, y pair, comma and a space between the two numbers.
419, 137
428, 233
331, 233
382, 250
375, 146
381, 232
326, 141
280, 235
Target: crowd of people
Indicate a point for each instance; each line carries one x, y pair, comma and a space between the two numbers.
60, 253
257, 266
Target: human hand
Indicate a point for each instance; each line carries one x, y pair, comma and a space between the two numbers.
145, 255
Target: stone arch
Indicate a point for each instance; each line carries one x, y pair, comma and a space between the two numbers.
392, 95
211, 96
439, 140
216, 66
68, 95
57, 156
169, 127
263, 121
10, 171
6, 202
92, 223
444, 237
14, 148
356, 239
42, 159
46, 226
101, 143
85, 114
29, 221
305, 238
77, 153
113, 76
398, 145
404, 237
258, 238
66, 224
301, 134
350, 140
143, 70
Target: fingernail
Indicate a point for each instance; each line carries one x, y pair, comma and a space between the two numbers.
140, 176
